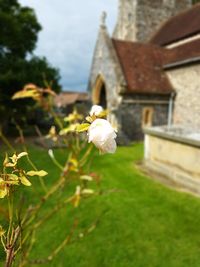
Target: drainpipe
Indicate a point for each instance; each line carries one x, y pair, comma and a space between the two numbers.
170, 110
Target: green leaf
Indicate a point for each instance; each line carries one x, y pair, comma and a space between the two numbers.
25, 181
83, 127
37, 173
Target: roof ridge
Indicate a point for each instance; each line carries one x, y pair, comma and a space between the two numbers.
157, 37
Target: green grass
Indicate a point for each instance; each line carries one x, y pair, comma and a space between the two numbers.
144, 224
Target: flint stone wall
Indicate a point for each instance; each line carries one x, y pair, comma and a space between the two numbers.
138, 20
131, 114
105, 63
152, 14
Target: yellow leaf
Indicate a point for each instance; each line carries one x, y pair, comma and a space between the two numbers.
64, 131
73, 169
103, 114
22, 154
76, 201
6, 160
74, 162
69, 118
86, 177
73, 117
3, 192
71, 128
37, 173
52, 130
25, 181
30, 86
9, 164
89, 119
2, 231
3, 183
26, 93
10, 182
13, 177
87, 191
52, 134
14, 158
77, 197
83, 127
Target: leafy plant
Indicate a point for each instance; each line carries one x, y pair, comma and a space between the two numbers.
18, 236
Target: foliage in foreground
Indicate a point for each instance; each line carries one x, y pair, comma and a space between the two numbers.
144, 223
23, 220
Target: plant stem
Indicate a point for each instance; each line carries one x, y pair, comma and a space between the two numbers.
6, 142
9, 257
10, 248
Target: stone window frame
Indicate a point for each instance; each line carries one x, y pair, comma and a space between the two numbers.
96, 92
147, 116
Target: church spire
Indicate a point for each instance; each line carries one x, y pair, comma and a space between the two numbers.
103, 19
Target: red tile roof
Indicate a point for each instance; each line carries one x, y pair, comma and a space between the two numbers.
142, 67
183, 25
182, 53
67, 98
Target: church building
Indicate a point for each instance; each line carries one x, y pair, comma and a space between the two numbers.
131, 73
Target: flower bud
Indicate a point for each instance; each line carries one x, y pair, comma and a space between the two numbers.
96, 110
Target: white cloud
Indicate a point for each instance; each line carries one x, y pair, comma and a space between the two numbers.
69, 33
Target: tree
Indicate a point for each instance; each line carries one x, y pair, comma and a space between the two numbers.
195, 1
19, 30
19, 37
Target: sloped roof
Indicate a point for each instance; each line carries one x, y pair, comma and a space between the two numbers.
142, 67
183, 25
67, 98
182, 54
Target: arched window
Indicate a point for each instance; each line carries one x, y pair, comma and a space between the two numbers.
99, 92
147, 116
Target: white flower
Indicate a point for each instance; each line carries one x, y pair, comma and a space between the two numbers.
102, 134
96, 110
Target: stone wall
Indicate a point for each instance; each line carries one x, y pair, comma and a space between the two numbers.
186, 82
175, 156
105, 63
139, 19
131, 113
152, 14
125, 28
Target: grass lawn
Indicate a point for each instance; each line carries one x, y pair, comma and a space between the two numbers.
144, 224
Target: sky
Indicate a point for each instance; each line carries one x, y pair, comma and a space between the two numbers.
69, 34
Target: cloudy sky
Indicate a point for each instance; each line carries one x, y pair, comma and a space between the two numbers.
69, 34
